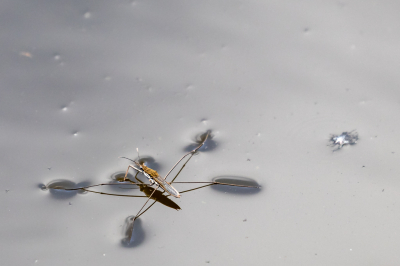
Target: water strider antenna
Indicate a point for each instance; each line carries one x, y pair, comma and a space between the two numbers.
138, 153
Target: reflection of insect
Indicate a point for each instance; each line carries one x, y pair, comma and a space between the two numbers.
343, 139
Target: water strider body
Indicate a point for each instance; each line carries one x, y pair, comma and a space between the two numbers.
155, 178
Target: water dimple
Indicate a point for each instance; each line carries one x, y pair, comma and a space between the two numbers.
133, 231
209, 144
236, 180
58, 188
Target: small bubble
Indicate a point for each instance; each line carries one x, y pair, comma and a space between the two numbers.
75, 133
64, 108
133, 3
204, 121
150, 89
107, 78
87, 15
189, 87
258, 134
57, 57
36, 261
26, 54
104, 254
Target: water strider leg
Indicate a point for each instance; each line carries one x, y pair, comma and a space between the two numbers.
145, 210
138, 214
111, 194
192, 153
211, 184
131, 166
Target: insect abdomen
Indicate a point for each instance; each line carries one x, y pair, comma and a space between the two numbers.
152, 173
168, 188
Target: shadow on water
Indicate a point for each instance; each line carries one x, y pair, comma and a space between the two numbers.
236, 180
134, 233
209, 145
57, 188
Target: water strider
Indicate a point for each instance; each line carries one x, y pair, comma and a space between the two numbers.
159, 182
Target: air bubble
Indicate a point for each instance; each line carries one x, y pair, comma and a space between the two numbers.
204, 121
87, 15
75, 133
107, 78
57, 57
64, 108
